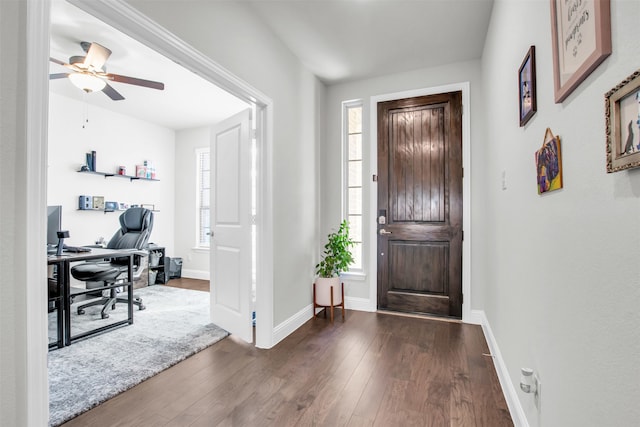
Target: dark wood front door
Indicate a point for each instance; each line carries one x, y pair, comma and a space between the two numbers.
420, 205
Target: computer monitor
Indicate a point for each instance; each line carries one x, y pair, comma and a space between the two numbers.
54, 224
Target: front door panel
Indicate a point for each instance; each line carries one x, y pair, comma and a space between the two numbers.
420, 198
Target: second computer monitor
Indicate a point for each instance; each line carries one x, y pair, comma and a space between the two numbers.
54, 224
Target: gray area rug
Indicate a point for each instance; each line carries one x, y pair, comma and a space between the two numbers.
174, 326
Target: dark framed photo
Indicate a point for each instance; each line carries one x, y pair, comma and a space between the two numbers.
581, 38
527, 83
622, 118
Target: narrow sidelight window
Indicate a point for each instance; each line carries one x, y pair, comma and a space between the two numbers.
352, 173
203, 167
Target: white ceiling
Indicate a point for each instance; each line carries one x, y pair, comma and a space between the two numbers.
338, 40
187, 100
341, 40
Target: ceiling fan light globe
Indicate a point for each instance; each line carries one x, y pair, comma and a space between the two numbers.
87, 82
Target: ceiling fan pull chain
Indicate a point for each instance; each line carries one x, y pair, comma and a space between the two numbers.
85, 111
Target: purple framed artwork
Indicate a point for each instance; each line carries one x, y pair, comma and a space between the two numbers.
549, 164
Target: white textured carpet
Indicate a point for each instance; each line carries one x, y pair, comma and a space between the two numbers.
174, 326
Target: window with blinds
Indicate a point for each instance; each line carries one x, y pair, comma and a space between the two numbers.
203, 166
352, 137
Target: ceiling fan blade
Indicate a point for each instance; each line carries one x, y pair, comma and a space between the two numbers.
64, 64
58, 76
57, 61
97, 55
112, 93
135, 81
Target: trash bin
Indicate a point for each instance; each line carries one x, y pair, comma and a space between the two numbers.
152, 277
154, 258
175, 268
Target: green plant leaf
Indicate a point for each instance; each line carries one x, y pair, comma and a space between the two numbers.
337, 257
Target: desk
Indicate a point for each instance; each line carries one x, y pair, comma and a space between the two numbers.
56, 298
64, 287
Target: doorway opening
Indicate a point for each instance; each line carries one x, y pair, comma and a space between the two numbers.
133, 25
131, 22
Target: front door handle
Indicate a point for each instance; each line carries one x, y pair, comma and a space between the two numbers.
383, 232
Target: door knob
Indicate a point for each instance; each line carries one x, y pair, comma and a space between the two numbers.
383, 232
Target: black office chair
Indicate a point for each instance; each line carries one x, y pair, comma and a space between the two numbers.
135, 228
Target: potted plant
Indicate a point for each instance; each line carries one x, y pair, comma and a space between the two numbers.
336, 259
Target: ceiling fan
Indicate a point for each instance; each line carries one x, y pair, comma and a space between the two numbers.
89, 74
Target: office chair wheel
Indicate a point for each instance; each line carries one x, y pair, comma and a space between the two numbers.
105, 316
142, 307
80, 311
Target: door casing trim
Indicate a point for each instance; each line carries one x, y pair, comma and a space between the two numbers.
36, 411
464, 87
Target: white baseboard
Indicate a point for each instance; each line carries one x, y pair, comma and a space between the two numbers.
196, 274
509, 391
476, 317
360, 304
287, 327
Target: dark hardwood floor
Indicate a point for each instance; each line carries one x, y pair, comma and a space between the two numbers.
185, 283
374, 369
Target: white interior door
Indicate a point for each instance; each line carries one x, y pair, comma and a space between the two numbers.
231, 225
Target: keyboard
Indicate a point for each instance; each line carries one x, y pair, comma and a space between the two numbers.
76, 249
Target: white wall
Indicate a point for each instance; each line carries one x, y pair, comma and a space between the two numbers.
22, 223
195, 262
13, 364
562, 287
117, 140
232, 35
331, 149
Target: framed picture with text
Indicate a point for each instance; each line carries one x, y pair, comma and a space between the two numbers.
527, 83
581, 38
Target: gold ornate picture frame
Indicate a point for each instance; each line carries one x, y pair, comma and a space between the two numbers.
622, 118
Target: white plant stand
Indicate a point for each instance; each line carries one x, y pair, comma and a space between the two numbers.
327, 296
